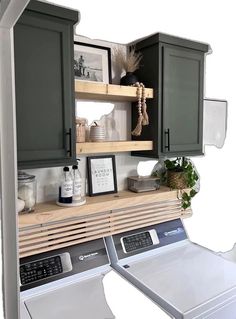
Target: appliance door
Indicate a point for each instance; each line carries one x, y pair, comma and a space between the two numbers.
83, 300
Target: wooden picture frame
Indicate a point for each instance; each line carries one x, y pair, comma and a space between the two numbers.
92, 62
101, 175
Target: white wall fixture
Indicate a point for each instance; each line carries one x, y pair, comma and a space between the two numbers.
215, 122
145, 168
93, 110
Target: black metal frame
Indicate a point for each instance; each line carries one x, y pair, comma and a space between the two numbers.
90, 186
100, 48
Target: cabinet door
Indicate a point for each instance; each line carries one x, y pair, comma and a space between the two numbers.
182, 100
44, 91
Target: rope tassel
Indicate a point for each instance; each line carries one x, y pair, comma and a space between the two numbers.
138, 129
145, 115
142, 109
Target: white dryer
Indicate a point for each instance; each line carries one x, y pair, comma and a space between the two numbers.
186, 280
65, 283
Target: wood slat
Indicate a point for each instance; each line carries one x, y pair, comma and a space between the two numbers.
63, 229
56, 224
131, 217
63, 234
144, 211
139, 223
68, 237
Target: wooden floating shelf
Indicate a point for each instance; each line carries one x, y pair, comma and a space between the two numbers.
50, 212
101, 91
113, 147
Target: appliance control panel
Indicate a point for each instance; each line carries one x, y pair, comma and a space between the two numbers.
139, 240
147, 238
45, 268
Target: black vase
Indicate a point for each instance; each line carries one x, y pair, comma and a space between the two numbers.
128, 79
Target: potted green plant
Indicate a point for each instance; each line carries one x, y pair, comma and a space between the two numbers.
181, 174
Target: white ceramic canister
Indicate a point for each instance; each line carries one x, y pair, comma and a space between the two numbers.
97, 133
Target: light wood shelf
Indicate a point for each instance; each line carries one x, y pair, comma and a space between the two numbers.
102, 91
113, 147
50, 212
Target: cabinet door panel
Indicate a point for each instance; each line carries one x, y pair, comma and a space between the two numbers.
182, 99
44, 99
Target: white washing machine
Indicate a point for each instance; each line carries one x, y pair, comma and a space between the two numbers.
65, 283
186, 280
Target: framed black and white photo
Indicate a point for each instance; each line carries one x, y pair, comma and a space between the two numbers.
101, 175
92, 62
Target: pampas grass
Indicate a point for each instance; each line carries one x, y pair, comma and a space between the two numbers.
128, 62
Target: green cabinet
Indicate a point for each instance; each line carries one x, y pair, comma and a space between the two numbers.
174, 67
45, 103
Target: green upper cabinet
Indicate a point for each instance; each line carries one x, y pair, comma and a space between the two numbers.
45, 103
182, 99
174, 67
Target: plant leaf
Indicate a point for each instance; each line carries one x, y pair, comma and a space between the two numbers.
185, 205
193, 192
185, 196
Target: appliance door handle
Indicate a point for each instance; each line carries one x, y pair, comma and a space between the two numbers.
69, 142
167, 139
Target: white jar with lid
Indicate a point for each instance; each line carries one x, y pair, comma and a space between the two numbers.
27, 191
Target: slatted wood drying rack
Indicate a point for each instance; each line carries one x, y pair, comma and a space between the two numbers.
52, 227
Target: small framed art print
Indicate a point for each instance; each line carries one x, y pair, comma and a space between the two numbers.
101, 175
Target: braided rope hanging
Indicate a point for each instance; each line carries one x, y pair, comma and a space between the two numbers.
142, 109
